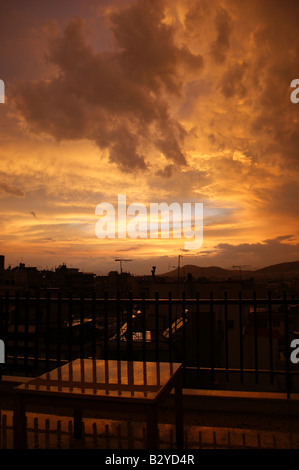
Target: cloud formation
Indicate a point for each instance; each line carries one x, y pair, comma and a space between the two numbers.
194, 95
266, 253
120, 99
11, 190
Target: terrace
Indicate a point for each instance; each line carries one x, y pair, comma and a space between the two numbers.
240, 389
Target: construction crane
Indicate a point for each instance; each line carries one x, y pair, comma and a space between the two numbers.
121, 261
240, 268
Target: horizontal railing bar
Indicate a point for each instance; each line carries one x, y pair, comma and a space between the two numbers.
190, 368
39, 359
223, 369
163, 301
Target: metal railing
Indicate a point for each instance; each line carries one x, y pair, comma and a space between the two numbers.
241, 343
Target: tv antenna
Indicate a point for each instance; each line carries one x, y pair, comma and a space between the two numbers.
171, 266
121, 261
240, 268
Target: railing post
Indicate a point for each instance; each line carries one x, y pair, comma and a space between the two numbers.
157, 325
212, 333
184, 335
47, 329
170, 326
16, 331
58, 330
2, 337
37, 320
143, 319
94, 327
6, 315
26, 332
287, 348
118, 326
82, 327
255, 339
226, 338
241, 338
270, 337
70, 328
106, 326
130, 327
197, 333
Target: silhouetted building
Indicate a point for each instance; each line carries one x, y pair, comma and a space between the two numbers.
72, 280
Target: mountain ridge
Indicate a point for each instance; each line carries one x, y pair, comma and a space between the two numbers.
287, 269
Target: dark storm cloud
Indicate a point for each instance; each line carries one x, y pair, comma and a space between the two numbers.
232, 81
272, 66
10, 190
221, 45
119, 100
166, 172
262, 250
149, 52
269, 252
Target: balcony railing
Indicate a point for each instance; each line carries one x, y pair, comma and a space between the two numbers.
232, 344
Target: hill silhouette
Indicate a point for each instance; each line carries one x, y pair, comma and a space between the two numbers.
280, 268
275, 271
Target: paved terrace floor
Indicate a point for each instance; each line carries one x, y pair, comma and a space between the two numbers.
55, 432
208, 424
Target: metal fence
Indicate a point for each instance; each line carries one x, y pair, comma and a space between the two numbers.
239, 344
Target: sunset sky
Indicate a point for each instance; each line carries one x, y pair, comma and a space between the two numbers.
158, 100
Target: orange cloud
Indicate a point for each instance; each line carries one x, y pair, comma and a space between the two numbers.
162, 101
